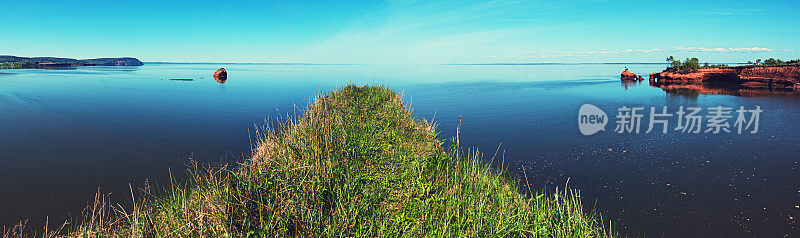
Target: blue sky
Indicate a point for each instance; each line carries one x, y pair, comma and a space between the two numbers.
403, 31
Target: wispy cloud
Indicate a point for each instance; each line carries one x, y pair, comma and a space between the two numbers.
442, 31
721, 50
648, 51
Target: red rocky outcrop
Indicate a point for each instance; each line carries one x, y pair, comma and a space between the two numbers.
782, 77
221, 75
628, 76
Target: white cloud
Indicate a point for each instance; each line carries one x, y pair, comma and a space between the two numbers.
648, 51
722, 50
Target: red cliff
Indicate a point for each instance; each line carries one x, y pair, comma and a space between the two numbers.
781, 77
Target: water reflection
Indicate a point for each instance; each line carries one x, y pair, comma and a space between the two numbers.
693, 90
723, 88
57, 67
66, 133
113, 68
627, 84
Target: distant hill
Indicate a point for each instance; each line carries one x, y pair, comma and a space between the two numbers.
16, 61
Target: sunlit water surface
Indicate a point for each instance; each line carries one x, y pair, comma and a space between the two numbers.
66, 133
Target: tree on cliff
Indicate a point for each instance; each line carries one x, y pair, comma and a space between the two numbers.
673, 64
691, 64
773, 62
687, 66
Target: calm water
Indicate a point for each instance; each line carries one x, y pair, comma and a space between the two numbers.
66, 133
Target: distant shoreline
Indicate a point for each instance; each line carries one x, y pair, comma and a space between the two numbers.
611, 63
547, 63
106, 62
14, 62
245, 63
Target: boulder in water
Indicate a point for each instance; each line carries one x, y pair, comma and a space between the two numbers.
221, 75
628, 76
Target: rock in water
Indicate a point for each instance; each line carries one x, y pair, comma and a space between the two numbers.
628, 76
221, 75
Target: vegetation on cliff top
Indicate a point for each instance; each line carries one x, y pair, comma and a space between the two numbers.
357, 164
774, 62
690, 65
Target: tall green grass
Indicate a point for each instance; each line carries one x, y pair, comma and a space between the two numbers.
356, 164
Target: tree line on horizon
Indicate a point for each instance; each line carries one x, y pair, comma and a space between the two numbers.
693, 64
774, 62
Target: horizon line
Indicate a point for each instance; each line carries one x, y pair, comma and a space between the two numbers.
507, 63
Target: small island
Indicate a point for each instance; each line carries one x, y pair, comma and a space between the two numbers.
755, 78
16, 62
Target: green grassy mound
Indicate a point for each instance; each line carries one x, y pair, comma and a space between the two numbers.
356, 164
